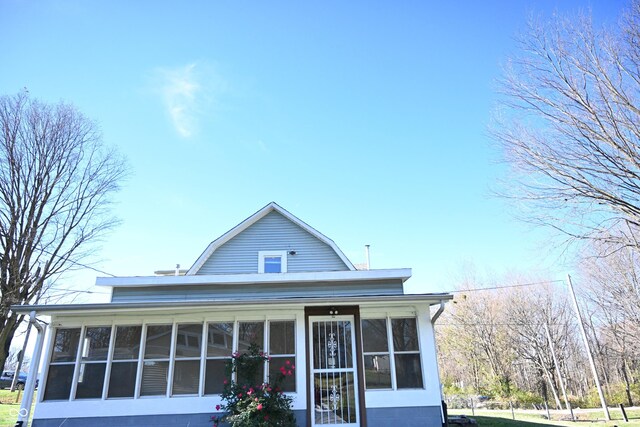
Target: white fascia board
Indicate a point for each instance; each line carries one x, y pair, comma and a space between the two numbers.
320, 276
176, 307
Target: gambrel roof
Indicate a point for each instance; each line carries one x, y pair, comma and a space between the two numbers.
254, 219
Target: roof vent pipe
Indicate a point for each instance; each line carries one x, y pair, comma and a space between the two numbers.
366, 254
177, 269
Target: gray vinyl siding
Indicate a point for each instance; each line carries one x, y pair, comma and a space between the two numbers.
273, 232
252, 291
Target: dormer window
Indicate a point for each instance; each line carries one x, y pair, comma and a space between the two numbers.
272, 262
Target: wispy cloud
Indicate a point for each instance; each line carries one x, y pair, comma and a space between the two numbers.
185, 93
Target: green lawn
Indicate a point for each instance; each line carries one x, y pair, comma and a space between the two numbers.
495, 418
9, 408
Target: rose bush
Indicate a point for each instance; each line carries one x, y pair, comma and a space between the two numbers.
250, 402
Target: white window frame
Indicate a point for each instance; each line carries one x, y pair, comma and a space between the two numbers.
392, 351
283, 355
265, 254
171, 359
388, 353
175, 358
81, 363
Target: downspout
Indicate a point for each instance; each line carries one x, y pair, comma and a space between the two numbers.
30, 386
434, 318
437, 313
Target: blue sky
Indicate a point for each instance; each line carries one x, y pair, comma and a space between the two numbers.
367, 120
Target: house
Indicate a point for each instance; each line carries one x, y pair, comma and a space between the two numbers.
154, 356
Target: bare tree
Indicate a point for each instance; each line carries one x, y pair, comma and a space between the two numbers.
570, 128
613, 294
56, 182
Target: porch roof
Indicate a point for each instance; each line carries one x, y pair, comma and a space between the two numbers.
175, 306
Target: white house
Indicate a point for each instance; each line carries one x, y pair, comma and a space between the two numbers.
154, 356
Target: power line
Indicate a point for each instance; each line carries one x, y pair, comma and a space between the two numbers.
77, 263
77, 291
506, 286
80, 264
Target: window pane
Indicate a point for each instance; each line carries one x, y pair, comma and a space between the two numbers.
188, 341
96, 343
408, 371
220, 339
90, 380
214, 376
281, 338
158, 343
405, 334
250, 377
123, 379
272, 264
374, 336
127, 345
59, 381
65, 346
377, 371
288, 383
154, 378
250, 332
186, 377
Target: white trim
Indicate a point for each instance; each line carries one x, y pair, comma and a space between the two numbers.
252, 220
162, 308
266, 254
219, 279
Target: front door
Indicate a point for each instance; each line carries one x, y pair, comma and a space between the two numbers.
334, 382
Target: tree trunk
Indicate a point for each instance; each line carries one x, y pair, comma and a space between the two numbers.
6, 335
553, 388
627, 387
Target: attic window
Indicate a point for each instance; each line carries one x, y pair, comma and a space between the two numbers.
272, 262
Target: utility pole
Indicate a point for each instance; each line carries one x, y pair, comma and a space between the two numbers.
555, 362
586, 344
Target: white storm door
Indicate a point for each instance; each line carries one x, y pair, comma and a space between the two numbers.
334, 382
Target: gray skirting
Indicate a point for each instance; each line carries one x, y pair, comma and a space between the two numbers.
176, 420
376, 417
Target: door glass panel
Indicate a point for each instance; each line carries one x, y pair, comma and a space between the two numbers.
332, 345
334, 397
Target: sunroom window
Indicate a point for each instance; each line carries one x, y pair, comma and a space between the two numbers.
282, 349
172, 358
93, 363
63, 361
219, 350
124, 366
391, 361
186, 370
155, 367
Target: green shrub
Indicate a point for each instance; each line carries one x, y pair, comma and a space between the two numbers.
250, 402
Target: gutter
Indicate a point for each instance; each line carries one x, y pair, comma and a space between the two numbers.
30, 386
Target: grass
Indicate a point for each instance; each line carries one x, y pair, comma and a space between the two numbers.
9, 408
529, 418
